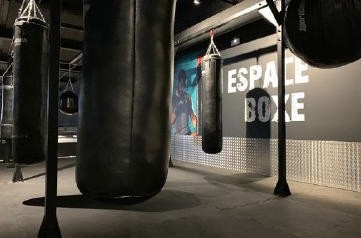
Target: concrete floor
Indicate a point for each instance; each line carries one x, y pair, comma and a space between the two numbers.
196, 201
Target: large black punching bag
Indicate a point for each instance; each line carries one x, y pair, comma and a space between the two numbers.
30, 82
211, 104
124, 98
7, 107
211, 100
324, 33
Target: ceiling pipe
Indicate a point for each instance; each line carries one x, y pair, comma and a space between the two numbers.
230, 19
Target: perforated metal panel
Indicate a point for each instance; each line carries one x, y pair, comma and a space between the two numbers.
327, 163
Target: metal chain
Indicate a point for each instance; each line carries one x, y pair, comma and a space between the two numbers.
212, 48
30, 11
69, 81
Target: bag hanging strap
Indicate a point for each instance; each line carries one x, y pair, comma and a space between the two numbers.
212, 48
30, 11
69, 84
5, 73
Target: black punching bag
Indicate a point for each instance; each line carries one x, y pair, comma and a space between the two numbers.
211, 104
68, 102
324, 33
124, 98
7, 107
30, 82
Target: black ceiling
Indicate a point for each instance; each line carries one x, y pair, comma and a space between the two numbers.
187, 14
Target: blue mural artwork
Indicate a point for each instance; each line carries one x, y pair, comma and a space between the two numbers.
185, 104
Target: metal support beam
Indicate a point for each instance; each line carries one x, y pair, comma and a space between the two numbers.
282, 188
50, 227
72, 45
233, 2
71, 27
18, 175
230, 19
277, 15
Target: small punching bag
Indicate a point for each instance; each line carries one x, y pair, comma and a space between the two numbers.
324, 33
30, 85
211, 100
68, 100
7, 107
124, 100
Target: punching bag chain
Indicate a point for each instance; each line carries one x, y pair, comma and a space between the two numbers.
7, 70
69, 81
30, 11
212, 48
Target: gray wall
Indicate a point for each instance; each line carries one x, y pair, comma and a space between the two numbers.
323, 134
326, 104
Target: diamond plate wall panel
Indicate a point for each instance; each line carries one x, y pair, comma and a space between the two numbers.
326, 163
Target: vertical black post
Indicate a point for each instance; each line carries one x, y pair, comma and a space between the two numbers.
18, 175
282, 188
50, 227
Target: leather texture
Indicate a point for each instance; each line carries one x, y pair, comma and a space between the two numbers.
68, 102
124, 98
30, 90
324, 33
211, 104
7, 108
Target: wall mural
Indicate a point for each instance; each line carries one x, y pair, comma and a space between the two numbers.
185, 99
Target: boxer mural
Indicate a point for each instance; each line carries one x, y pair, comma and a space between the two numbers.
184, 109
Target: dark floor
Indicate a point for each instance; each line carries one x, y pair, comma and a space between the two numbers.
197, 201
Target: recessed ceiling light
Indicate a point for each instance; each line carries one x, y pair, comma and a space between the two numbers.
235, 41
196, 2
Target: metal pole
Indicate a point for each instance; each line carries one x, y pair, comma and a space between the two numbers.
282, 188
18, 175
50, 227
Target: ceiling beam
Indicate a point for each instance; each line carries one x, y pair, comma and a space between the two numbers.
72, 45
71, 27
230, 19
233, 2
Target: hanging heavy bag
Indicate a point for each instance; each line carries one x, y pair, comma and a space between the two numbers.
324, 33
7, 107
211, 100
124, 100
30, 84
68, 100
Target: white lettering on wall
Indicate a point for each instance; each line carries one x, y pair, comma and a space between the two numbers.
243, 82
264, 109
265, 76
298, 105
255, 73
250, 110
270, 75
232, 81
243, 79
